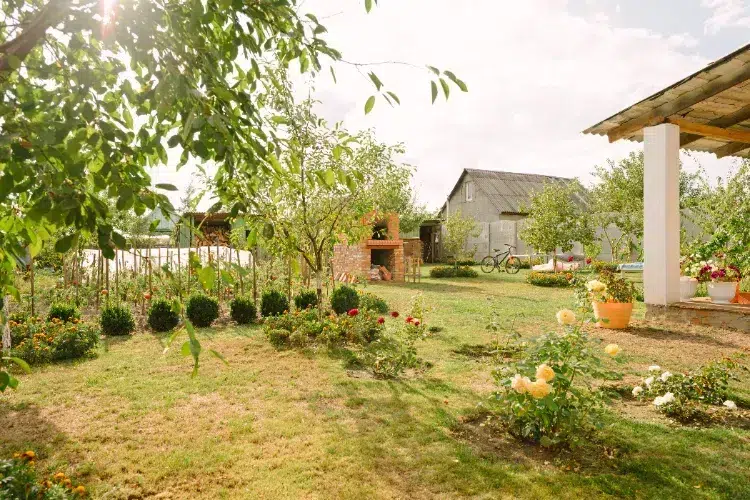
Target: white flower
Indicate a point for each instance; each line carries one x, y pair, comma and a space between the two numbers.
665, 376
649, 381
637, 390
565, 317
654, 368
730, 404
663, 400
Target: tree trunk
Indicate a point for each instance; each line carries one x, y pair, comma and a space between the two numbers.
319, 283
255, 279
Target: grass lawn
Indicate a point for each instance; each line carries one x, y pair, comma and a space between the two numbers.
131, 423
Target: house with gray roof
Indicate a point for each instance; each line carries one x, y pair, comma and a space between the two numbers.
497, 201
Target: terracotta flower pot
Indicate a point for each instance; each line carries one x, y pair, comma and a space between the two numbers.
614, 315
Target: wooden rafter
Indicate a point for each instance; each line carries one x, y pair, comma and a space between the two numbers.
704, 130
731, 149
738, 116
661, 113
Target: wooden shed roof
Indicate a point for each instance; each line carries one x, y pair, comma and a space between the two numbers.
712, 108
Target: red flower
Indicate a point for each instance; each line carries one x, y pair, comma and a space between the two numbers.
588, 260
394, 314
570, 259
409, 319
416, 323
353, 312
381, 320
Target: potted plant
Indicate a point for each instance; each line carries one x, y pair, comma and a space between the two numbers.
723, 281
612, 299
690, 268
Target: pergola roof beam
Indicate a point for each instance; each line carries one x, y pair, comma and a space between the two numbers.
731, 149
738, 116
703, 130
659, 114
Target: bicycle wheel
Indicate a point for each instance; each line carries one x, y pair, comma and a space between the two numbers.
512, 265
488, 264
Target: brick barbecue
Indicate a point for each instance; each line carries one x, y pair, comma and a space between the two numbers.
378, 256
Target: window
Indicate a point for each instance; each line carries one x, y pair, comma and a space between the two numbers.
469, 191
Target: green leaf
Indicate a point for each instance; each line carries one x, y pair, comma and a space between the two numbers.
394, 97
375, 80
166, 187
21, 364
546, 441
434, 90
369, 104
207, 277
368, 5
330, 177
333, 74
63, 244
446, 88
252, 238
434, 69
13, 61
219, 356
185, 349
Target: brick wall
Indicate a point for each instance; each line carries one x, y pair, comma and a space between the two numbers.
354, 259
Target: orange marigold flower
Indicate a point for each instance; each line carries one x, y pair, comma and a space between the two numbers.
80, 490
59, 476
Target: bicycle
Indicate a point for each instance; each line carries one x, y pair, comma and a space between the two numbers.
511, 263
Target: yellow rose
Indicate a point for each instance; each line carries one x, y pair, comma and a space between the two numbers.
539, 388
596, 286
565, 317
544, 372
612, 349
520, 384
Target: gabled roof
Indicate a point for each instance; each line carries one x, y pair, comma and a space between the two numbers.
509, 192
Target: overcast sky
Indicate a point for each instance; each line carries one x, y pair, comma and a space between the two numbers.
538, 71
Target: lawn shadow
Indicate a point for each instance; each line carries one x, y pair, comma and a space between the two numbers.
673, 334
24, 427
438, 287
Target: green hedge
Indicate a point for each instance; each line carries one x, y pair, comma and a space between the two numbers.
117, 320
202, 310
344, 298
453, 272
549, 279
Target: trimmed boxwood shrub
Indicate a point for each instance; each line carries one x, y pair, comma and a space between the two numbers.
242, 310
273, 303
161, 317
305, 299
202, 310
63, 312
372, 302
549, 279
453, 272
278, 337
344, 298
116, 320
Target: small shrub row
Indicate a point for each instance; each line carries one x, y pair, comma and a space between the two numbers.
343, 299
202, 310
273, 303
38, 342
467, 262
63, 312
600, 265
242, 310
371, 302
161, 316
20, 479
117, 320
306, 299
453, 272
549, 279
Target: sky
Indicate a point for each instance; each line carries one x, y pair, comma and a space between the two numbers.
538, 72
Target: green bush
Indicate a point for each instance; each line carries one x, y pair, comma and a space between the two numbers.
202, 310
161, 317
549, 279
19, 479
453, 272
63, 312
468, 262
305, 299
600, 265
273, 303
278, 337
117, 320
38, 342
531, 262
344, 298
242, 310
371, 302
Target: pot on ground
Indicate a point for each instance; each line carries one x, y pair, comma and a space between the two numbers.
615, 315
722, 292
688, 287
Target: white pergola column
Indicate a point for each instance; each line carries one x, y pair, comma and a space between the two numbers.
661, 204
